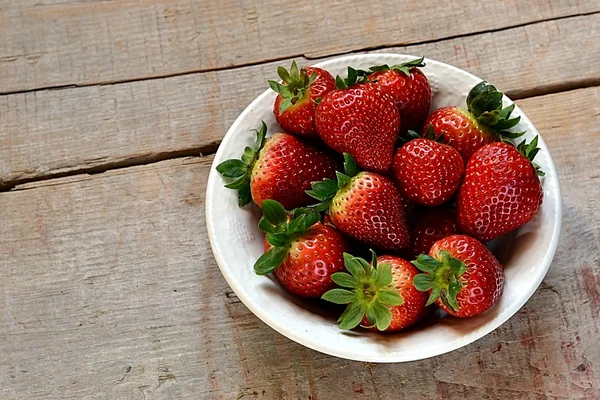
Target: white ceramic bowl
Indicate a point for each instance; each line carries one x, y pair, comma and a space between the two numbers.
237, 242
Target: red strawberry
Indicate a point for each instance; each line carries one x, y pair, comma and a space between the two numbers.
359, 119
297, 98
281, 168
365, 206
302, 251
409, 88
379, 295
431, 225
462, 276
501, 190
428, 172
485, 121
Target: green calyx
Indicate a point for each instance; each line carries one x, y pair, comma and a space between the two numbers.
529, 151
354, 77
441, 277
368, 291
241, 170
325, 190
294, 85
282, 228
484, 101
404, 67
429, 134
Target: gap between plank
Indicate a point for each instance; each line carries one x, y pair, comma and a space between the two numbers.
287, 57
202, 151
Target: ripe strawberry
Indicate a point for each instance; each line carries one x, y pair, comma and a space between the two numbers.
409, 88
428, 172
501, 190
297, 98
431, 225
360, 119
365, 206
281, 168
484, 121
301, 250
461, 274
379, 295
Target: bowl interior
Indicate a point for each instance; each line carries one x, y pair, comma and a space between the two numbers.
237, 242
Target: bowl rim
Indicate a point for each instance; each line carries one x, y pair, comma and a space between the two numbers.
281, 328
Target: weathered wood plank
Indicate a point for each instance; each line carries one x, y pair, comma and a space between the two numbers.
51, 132
109, 290
53, 43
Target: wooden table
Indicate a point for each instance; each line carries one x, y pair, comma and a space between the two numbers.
109, 113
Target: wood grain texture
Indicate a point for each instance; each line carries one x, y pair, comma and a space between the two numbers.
51, 43
52, 132
110, 291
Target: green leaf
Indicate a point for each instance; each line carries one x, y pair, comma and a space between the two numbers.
274, 212
457, 266
261, 135
383, 275
270, 260
239, 183
284, 105
232, 168
265, 225
303, 222
371, 317
352, 76
481, 87
506, 111
249, 156
450, 296
506, 123
486, 102
353, 266
423, 282
283, 74
339, 83
339, 296
353, 315
390, 297
244, 196
350, 166
344, 279
274, 86
426, 263
418, 62
278, 239
342, 179
294, 71
377, 68
323, 190
433, 296
512, 135
322, 206
383, 316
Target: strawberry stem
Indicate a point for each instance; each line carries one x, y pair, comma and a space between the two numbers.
294, 85
368, 291
440, 277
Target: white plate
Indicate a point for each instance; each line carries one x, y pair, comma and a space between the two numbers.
237, 242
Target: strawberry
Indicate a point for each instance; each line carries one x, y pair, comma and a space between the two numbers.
297, 98
428, 172
301, 250
379, 295
431, 225
484, 121
501, 190
461, 275
360, 119
409, 88
281, 168
364, 205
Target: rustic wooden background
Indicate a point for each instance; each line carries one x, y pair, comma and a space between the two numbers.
109, 113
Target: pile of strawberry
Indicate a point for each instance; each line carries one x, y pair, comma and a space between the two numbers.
351, 174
